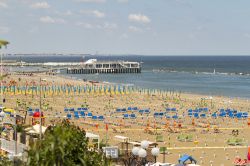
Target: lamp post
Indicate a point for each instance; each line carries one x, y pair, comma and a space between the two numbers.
41, 106
2, 43
139, 155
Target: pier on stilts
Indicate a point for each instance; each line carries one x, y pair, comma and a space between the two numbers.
93, 66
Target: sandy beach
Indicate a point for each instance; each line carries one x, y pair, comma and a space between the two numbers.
209, 135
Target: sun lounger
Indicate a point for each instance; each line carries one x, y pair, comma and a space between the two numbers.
149, 131
116, 130
172, 130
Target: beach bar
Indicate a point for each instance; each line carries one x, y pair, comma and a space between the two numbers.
93, 66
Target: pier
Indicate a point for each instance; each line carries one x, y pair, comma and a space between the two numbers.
92, 66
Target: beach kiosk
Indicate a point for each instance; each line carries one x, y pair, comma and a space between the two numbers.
36, 118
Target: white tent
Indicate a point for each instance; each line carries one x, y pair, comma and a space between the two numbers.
35, 129
94, 136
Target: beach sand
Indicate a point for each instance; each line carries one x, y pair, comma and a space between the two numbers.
210, 147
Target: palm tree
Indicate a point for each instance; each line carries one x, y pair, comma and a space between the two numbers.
3, 43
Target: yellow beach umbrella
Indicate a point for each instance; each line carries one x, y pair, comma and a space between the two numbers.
8, 110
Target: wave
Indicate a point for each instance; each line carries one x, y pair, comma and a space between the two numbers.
200, 72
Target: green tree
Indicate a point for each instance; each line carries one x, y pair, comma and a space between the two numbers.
3, 43
64, 144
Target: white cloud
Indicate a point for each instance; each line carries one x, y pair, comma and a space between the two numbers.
92, 1
247, 35
134, 29
124, 36
40, 5
139, 18
4, 30
48, 19
85, 25
98, 14
66, 13
122, 1
3, 5
95, 13
106, 25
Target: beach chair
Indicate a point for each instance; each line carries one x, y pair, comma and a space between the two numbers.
82, 113
185, 158
89, 115
79, 109
76, 116
101, 118
168, 117
66, 109
222, 110
161, 114
123, 110
214, 115
147, 111
175, 117
69, 116
222, 114
30, 112
94, 117
141, 112
118, 110
168, 109
185, 138
239, 115
203, 116
173, 109
135, 108
72, 109
196, 115
159, 138
245, 115
156, 115
129, 108
230, 115
235, 141
205, 109
125, 116
132, 116
190, 114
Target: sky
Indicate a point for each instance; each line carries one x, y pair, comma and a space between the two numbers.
143, 27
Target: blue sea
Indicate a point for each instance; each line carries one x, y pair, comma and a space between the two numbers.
208, 75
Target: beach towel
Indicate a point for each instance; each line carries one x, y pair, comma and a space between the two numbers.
248, 154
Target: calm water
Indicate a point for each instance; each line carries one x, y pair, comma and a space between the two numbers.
181, 73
